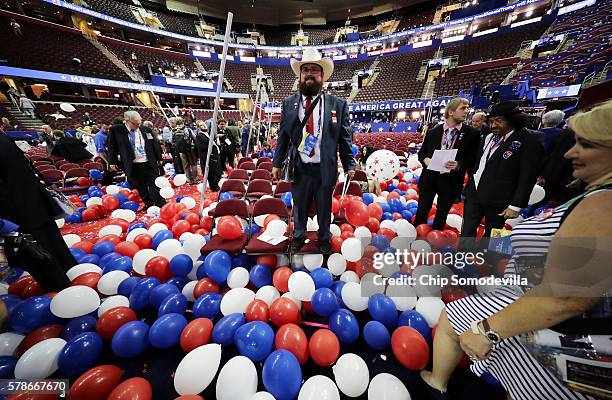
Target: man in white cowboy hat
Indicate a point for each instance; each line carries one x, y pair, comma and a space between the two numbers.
315, 147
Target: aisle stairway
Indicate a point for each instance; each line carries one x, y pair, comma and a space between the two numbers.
23, 121
135, 76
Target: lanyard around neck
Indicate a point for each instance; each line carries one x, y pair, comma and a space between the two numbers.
320, 125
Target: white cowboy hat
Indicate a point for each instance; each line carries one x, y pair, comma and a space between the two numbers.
312, 56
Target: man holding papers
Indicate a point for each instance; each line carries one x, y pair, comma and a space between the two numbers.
448, 151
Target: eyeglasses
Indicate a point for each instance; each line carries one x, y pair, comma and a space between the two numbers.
310, 70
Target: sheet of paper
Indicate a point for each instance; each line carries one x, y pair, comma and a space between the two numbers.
271, 240
441, 157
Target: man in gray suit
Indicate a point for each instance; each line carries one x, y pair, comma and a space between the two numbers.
326, 133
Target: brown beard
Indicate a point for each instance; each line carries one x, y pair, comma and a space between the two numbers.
310, 89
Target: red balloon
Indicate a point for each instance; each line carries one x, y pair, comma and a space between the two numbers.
84, 245
206, 222
87, 279
268, 260
203, 232
397, 216
38, 335
393, 195
373, 224
307, 307
375, 210
269, 218
192, 218
180, 227
159, 267
345, 202
134, 197
436, 238
292, 338
423, 230
229, 227
347, 227
452, 237
410, 348
33, 289
450, 293
132, 389
346, 234
114, 319
284, 311
357, 213
121, 222
110, 238
280, 278
480, 232
335, 205
336, 244
89, 214
144, 241
100, 210
197, 333
96, 383
387, 232
82, 181
127, 249
383, 186
110, 202
205, 285
167, 211
257, 310
324, 347
20, 284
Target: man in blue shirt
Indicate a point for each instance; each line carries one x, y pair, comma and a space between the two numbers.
100, 141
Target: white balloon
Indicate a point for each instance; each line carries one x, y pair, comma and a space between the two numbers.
351, 296
110, 230
404, 228
112, 189
236, 301
179, 179
162, 182
313, 261
421, 246
93, 201
60, 223
454, 221
157, 227
351, 249
71, 239
75, 301
363, 233
370, 285
282, 260
166, 192
404, 296
389, 224
336, 264
169, 248
351, 374
537, 194
238, 278
259, 220
127, 215
133, 233
112, 302
262, 396
349, 276
276, 228
382, 165
319, 387
294, 299
194, 243
401, 242
237, 379
153, 210
109, 282
268, 294
40, 360
188, 202
141, 258
312, 225
9, 341
430, 308
413, 161
301, 285
387, 387
297, 261
188, 290
197, 369
81, 269
67, 107
117, 213
200, 187
335, 230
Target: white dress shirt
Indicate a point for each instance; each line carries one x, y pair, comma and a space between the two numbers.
318, 116
139, 142
486, 155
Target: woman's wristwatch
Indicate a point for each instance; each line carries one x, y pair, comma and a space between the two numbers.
492, 336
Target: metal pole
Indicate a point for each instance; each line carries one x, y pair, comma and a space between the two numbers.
269, 122
253, 115
160, 106
213, 131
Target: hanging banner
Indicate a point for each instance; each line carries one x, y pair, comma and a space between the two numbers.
399, 105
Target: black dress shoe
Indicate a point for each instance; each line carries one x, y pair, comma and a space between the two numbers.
297, 244
325, 247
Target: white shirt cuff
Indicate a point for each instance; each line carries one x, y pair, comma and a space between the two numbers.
513, 208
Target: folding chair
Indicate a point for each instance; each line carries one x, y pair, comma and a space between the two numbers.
240, 174
360, 176
42, 162
68, 166
45, 167
93, 165
73, 174
263, 207
282, 187
265, 165
245, 159
258, 188
61, 162
233, 186
53, 175
248, 165
235, 207
261, 174
263, 159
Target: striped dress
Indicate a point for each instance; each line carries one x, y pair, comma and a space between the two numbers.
509, 362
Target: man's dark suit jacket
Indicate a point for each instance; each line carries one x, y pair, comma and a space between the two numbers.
511, 172
119, 145
71, 149
467, 148
336, 136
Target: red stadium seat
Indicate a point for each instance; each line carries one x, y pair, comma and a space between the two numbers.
68, 166
235, 207
45, 167
258, 188
262, 207
261, 174
282, 187
93, 165
240, 174
265, 165
233, 186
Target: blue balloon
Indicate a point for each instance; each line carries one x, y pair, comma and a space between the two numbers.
76, 326
282, 375
137, 225
81, 209
106, 259
178, 281
10, 301
416, 321
95, 174
260, 275
241, 260
139, 298
324, 302
174, 303
251, 229
355, 149
385, 207
255, 340
122, 199
160, 237
90, 259
344, 324
123, 263
7, 367
381, 242
337, 288
376, 335
383, 309
181, 264
166, 331
224, 330
127, 285
225, 196
124, 184
74, 218
130, 339
130, 205
368, 198
84, 198
80, 353
387, 216
178, 199
217, 265
160, 292
73, 250
407, 214
322, 278
390, 187
207, 305
32, 313
287, 197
